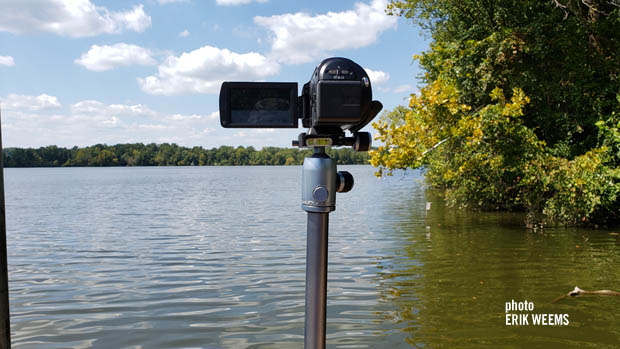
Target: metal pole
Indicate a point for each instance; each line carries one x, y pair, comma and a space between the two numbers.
318, 198
316, 280
5, 325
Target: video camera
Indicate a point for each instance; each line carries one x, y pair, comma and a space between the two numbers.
338, 97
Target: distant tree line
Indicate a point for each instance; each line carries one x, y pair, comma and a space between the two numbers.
165, 154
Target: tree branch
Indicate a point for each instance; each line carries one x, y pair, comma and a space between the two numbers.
562, 7
592, 8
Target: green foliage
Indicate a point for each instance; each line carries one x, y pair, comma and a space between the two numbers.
166, 154
551, 148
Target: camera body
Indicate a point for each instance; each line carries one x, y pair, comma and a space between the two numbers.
337, 98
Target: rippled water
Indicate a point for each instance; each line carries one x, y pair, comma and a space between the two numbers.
215, 257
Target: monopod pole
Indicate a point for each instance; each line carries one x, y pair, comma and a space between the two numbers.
316, 280
318, 198
5, 325
320, 182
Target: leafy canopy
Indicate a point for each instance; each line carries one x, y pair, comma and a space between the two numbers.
520, 108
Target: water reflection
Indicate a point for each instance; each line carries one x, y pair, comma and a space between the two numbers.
450, 279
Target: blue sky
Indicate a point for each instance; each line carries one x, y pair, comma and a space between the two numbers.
81, 72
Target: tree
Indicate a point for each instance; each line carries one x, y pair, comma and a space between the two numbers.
81, 158
520, 108
104, 158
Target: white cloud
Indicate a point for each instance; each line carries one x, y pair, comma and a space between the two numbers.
110, 122
96, 108
101, 58
377, 77
181, 117
236, 2
73, 18
402, 88
153, 126
301, 37
184, 33
7, 60
204, 69
29, 103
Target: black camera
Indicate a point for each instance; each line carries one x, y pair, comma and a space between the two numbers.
338, 97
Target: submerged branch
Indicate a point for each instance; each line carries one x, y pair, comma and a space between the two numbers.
579, 292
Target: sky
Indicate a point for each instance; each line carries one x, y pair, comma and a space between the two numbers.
83, 72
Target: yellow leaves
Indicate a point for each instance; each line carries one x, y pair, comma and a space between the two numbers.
519, 97
438, 104
448, 175
437, 94
469, 127
410, 134
517, 101
514, 108
477, 134
414, 100
405, 142
497, 95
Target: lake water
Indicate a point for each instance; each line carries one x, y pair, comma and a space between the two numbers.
214, 257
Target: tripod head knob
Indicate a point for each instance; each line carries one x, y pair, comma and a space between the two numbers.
363, 140
344, 182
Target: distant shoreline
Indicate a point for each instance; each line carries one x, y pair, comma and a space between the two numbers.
152, 155
168, 166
